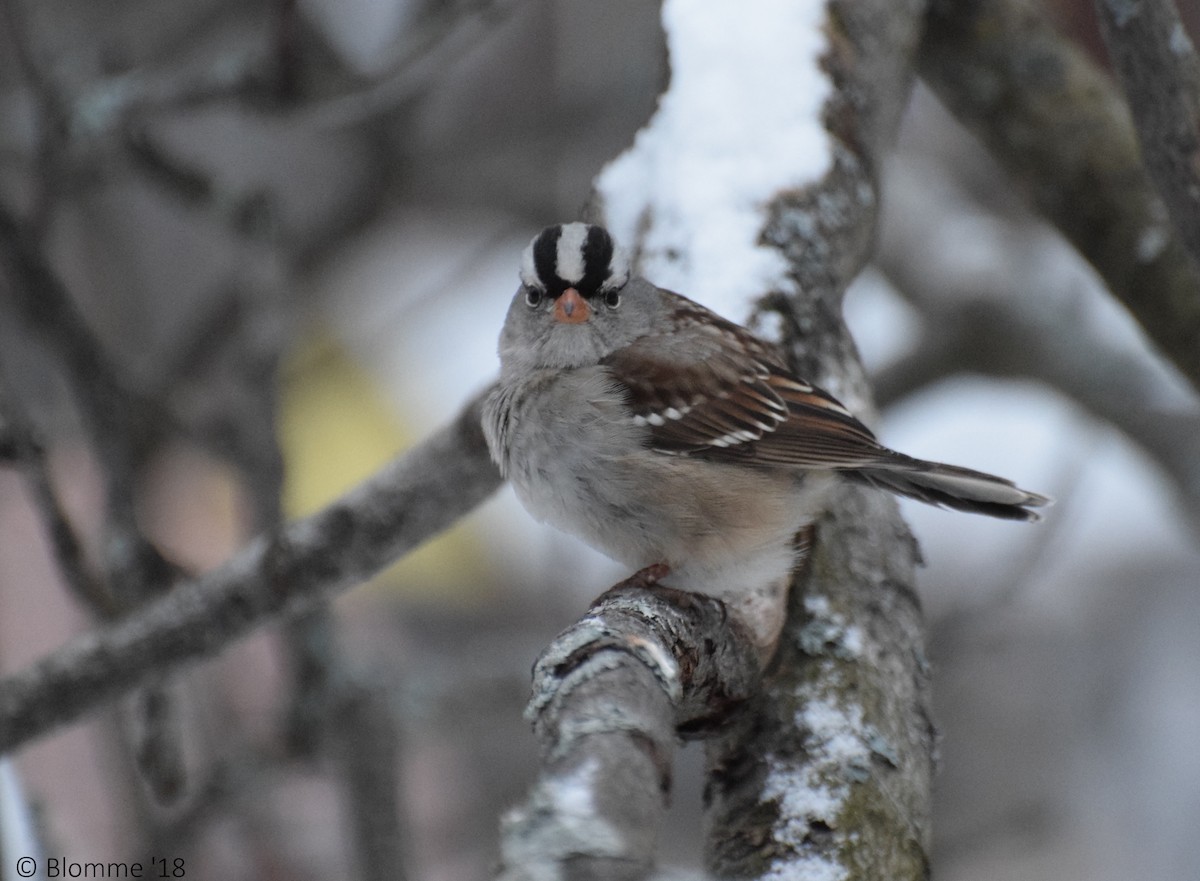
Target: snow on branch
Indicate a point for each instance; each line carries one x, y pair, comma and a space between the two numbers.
752, 189
740, 121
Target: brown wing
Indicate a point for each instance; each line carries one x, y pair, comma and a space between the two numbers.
711, 389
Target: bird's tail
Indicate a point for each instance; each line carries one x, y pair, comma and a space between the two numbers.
952, 487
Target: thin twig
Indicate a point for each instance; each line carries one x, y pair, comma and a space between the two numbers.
51, 115
120, 422
286, 21
423, 61
30, 455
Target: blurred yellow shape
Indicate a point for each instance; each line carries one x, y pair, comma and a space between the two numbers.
336, 428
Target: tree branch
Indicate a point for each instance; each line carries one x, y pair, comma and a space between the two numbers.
30, 456
416, 496
828, 772
367, 747
1002, 311
609, 695
833, 766
1157, 66
1057, 123
832, 770
120, 422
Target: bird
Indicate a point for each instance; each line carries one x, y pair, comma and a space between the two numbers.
676, 441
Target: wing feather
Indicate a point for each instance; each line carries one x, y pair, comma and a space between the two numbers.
713, 390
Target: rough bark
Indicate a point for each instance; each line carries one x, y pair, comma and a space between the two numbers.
831, 771
609, 696
1156, 63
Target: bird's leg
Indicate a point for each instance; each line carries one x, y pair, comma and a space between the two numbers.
648, 577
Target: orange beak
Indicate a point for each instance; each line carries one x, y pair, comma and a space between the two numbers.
570, 308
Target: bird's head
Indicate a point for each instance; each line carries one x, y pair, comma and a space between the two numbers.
577, 302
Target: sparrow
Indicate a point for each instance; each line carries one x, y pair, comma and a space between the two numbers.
662, 434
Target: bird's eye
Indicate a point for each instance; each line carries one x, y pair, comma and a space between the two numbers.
612, 299
533, 297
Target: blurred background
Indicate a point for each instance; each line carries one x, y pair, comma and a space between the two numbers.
337, 194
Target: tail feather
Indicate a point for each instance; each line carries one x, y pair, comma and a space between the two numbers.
951, 486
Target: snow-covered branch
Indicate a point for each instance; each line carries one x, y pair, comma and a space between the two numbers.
830, 776
753, 190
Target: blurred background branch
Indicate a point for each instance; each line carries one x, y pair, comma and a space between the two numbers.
419, 494
1155, 62
1058, 125
1006, 316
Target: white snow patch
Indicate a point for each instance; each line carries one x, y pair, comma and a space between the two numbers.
801, 798
828, 630
852, 640
816, 790
816, 604
665, 667
572, 793
808, 867
835, 734
575, 826
740, 122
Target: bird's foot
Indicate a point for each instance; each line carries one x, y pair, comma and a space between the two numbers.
648, 577
644, 579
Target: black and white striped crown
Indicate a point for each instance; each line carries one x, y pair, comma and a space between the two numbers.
573, 255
